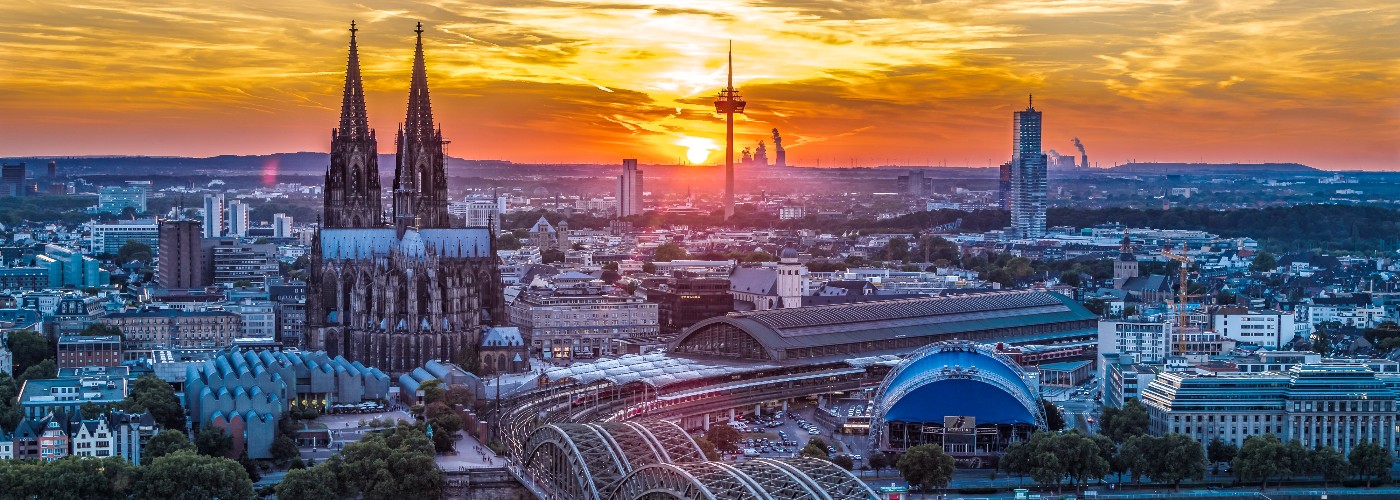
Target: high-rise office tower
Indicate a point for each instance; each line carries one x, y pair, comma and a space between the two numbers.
181, 258
214, 215
281, 226
1027, 175
237, 219
629, 189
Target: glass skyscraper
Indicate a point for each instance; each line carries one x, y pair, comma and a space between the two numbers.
1027, 175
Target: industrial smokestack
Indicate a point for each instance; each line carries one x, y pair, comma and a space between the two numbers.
1083, 157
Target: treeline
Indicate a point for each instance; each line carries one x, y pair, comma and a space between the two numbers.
1348, 228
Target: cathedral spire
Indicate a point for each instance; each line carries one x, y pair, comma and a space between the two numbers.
420, 109
354, 122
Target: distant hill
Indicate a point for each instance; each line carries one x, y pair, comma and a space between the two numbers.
1214, 168
306, 163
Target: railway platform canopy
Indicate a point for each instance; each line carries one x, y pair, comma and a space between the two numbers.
890, 326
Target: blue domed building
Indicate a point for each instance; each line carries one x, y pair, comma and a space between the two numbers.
963, 395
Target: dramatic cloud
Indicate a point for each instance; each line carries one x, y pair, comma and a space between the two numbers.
847, 82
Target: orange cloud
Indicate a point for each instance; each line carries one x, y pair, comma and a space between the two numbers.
860, 83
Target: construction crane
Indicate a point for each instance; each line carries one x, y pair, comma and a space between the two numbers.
1182, 320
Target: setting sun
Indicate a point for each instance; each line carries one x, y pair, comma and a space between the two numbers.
697, 148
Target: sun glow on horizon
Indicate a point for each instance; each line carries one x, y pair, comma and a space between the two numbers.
697, 148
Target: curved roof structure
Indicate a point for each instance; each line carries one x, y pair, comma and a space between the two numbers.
763, 478
865, 328
959, 378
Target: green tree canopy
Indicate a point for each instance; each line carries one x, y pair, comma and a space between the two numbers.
667, 252
389, 465
164, 443
134, 250
1263, 262
190, 476
150, 393
28, 349
45, 369
1119, 424
1262, 458
926, 466
1221, 451
1330, 463
101, 329
1370, 461
1054, 420
316, 483
724, 437
213, 441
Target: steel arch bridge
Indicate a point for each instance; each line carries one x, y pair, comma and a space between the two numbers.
659, 460
760, 479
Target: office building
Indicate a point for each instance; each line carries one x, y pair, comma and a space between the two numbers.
629, 189
214, 215
12, 179
916, 184
115, 199
1146, 340
145, 331
233, 261
581, 321
282, 226
476, 212
109, 238
1320, 405
69, 391
66, 267
77, 351
24, 278
181, 256
1028, 189
1271, 329
685, 300
237, 219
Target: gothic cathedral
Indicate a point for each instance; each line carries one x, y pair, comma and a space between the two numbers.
395, 296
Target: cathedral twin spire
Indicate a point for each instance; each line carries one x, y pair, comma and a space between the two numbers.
352, 182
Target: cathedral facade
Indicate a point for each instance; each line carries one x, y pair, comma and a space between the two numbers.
396, 295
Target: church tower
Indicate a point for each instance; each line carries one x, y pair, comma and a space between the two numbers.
351, 198
420, 179
792, 279
1126, 266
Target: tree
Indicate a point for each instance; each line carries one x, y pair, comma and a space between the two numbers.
185, 475
814, 451
552, 255
845, 461
150, 393
895, 249
28, 349
1017, 459
1119, 424
45, 369
508, 241
134, 251
316, 483
213, 441
249, 467
877, 460
927, 466
1079, 455
724, 437
1263, 262
1133, 457
667, 252
1370, 461
1179, 457
1071, 279
75, 477
393, 464
1054, 420
284, 448
100, 329
1330, 463
10, 412
164, 443
707, 448
1262, 458
1220, 451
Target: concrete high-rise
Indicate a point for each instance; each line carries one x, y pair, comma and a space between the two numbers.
281, 226
237, 219
629, 189
1027, 175
214, 215
181, 258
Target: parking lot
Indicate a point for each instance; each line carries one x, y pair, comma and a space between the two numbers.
773, 437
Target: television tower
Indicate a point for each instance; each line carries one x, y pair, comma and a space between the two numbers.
729, 103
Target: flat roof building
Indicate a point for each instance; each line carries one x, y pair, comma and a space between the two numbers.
78, 351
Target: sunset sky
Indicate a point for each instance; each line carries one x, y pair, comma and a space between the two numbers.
847, 82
